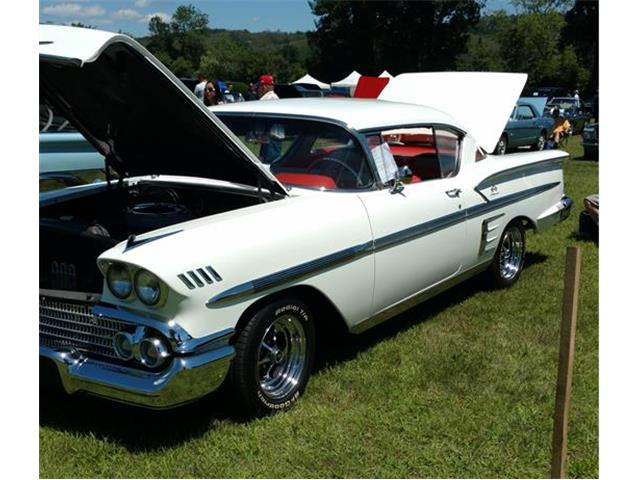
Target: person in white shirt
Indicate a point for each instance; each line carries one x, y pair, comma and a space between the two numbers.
577, 97
265, 88
199, 88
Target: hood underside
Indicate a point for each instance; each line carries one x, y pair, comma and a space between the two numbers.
137, 113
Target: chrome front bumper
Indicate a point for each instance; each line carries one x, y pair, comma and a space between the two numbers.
198, 367
559, 213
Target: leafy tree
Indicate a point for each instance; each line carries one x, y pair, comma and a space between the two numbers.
398, 36
182, 40
527, 42
541, 6
581, 31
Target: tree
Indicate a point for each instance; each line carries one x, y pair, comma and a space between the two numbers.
394, 35
581, 31
541, 6
182, 40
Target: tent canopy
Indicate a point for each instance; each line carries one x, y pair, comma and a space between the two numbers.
350, 80
385, 74
309, 79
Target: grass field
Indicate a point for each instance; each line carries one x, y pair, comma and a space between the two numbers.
461, 386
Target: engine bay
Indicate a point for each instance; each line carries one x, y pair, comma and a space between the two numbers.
74, 232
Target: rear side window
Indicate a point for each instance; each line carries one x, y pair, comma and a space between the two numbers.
430, 153
448, 148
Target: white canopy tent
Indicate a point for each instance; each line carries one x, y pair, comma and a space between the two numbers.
385, 74
309, 79
350, 80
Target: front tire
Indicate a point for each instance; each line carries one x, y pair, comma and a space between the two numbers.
539, 143
274, 355
509, 258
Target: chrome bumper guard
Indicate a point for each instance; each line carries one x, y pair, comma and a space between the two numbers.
558, 216
198, 367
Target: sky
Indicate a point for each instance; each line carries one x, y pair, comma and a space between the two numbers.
132, 16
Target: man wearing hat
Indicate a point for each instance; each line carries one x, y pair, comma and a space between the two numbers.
265, 88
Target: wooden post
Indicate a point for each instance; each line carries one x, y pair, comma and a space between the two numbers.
565, 366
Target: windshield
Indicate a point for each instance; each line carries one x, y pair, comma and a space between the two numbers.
304, 153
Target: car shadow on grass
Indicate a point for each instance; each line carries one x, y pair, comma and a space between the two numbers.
138, 429
344, 346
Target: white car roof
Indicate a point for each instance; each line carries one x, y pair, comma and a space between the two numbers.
356, 113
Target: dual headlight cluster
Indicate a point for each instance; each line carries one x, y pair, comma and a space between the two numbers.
148, 288
148, 349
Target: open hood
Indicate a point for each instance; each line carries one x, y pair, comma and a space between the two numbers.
137, 113
481, 101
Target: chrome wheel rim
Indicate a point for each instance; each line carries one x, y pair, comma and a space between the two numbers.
511, 253
502, 147
281, 357
540, 144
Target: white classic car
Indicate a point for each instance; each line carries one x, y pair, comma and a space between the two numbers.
220, 243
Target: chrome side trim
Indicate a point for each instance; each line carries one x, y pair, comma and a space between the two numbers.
488, 240
292, 273
418, 298
521, 171
396, 238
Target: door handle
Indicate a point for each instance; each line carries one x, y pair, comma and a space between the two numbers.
454, 193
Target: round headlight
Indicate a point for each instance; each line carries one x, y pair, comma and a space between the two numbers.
153, 352
119, 280
123, 345
148, 287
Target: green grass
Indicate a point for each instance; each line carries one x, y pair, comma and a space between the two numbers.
461, 386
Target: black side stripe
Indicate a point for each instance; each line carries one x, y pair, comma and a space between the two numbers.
289, 274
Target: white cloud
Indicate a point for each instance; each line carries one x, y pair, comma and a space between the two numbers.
74, 10
127, 14
141, 3
165, 17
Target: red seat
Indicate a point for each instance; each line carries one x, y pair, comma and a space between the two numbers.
306, 179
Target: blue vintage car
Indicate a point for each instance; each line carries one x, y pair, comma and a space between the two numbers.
68, 159
527, 126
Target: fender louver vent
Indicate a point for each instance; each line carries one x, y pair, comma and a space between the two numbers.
199, 277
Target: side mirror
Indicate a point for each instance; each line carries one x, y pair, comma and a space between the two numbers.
403, 175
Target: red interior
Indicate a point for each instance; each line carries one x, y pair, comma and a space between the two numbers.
306, 179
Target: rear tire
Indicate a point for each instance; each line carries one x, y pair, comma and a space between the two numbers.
274, 355
501, 147
509, 257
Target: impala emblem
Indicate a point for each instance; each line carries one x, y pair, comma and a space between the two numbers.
494, 190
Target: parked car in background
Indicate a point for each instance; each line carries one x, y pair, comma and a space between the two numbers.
526, 126
68, 159
572, 111
590, 140
545, 91
198, 263
297, 90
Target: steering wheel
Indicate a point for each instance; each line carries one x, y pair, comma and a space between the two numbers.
344, 166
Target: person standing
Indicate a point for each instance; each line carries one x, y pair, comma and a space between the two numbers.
577, 97
265, 88
199, 88
212, 95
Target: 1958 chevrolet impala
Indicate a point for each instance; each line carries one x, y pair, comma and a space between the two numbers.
222, 240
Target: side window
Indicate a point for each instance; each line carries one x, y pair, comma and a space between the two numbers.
448, 147
429, 153
524, 112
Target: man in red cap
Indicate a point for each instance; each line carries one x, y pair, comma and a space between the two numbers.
265, 88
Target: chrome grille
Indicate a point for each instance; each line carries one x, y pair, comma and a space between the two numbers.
68, 324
